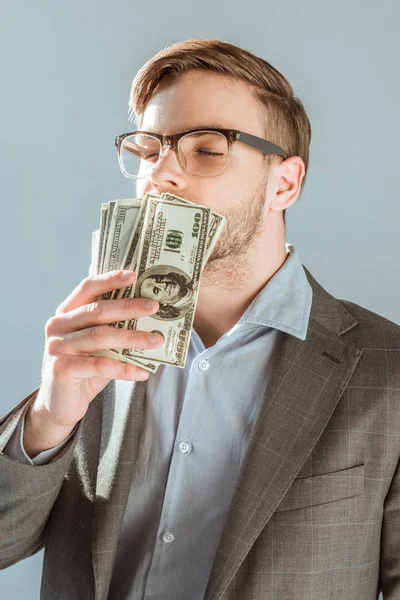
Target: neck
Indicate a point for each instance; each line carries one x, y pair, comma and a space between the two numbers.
229, 285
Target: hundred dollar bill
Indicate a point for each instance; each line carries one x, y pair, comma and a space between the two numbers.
127, 292
169, 266
102, 230
130, 257
122, 225
130, 251
216, 225
106, 239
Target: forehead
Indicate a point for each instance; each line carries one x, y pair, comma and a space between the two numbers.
198, 99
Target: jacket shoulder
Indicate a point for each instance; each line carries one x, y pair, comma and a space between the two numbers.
373, 330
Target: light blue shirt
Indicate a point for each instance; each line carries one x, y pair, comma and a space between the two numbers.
198, 422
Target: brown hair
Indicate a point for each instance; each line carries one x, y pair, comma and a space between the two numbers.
286, 121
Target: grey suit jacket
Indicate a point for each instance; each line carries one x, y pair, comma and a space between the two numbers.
316, 511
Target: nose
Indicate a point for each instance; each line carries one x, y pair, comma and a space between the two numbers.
167, 174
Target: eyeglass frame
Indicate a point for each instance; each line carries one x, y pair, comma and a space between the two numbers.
231, 135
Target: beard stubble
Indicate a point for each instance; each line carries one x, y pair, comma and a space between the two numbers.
228, 265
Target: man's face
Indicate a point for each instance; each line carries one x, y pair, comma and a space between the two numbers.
201, 100
161, 288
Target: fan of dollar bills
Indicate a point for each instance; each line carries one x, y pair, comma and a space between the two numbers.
167, 241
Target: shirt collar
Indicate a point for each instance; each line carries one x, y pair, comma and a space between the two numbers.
284, 303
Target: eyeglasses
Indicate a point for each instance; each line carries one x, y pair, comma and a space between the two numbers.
203, 152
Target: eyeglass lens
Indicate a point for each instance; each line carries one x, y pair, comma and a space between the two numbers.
200, 153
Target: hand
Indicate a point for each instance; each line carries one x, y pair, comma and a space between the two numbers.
71, 378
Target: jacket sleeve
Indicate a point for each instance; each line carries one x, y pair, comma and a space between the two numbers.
28, 492
15, 447
389, 574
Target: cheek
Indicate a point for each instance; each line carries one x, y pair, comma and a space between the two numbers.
246, 169
228, 191
242, 176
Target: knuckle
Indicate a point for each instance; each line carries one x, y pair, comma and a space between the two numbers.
140, 338
51, 326
128, 371
86, 283
53, 345
96, 308
129, 304
107, 367
98, 333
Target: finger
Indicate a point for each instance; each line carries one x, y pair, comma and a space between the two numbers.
102, 337
85, 367
94, 286
100, 312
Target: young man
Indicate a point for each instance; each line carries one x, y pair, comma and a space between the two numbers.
268, 467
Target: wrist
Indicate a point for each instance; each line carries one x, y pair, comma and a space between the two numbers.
41, 433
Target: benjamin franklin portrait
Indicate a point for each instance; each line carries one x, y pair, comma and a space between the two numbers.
170, 287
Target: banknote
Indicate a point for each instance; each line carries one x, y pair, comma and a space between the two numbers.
121, 226
166, 240
216, 225
101, 236
106, 239
169, 267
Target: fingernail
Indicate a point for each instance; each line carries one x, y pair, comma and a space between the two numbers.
126, 274
155, 338
148, 303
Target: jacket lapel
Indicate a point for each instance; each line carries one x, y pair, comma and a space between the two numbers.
309, 377
122, 413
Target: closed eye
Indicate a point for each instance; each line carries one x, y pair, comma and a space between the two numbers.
209, 153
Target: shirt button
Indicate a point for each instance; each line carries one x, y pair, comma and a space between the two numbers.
185, 447
203, 365
168, 537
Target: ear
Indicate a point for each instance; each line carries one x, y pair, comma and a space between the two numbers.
286, 183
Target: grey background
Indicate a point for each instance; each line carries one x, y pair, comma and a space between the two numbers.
66, 70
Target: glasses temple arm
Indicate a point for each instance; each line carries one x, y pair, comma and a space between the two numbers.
260, 144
